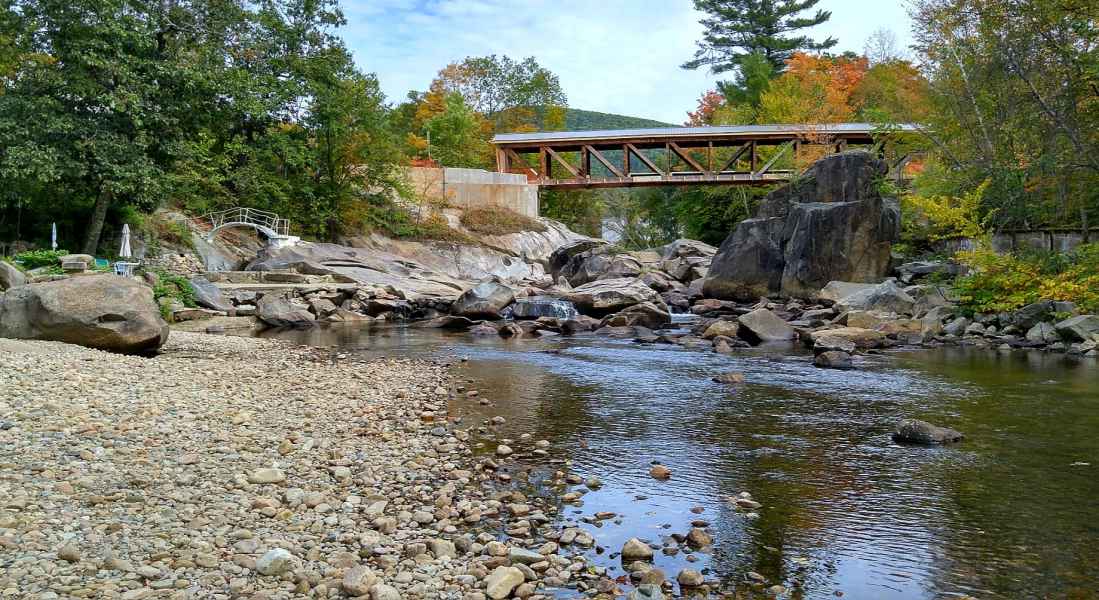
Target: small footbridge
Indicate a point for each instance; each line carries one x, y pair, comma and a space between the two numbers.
274, 228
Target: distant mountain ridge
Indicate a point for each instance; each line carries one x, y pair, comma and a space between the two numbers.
588, 120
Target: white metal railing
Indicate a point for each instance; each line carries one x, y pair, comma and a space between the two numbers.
249, 216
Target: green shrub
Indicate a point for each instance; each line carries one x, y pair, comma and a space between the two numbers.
173, 286
32, 259
1005, 282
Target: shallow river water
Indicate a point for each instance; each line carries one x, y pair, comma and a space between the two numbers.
1011, 512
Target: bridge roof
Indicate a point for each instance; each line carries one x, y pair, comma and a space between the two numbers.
679, 133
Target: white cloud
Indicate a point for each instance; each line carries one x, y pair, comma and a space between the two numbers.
619, 56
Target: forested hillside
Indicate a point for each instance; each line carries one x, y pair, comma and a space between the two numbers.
588, 120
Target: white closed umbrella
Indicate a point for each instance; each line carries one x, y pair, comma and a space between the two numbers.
125, 251
53, 236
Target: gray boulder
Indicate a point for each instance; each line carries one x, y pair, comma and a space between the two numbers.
1042, 333
278, 311
107, 312
1032, 314
833, 359
957, 326
884, 297
1081, 328
10, 276
762, 325
832, 224
914, 431
209, 295
645, 314
606, 296
560, 259
483, 301
838, 290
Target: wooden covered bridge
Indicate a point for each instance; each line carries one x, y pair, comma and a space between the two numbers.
743, 154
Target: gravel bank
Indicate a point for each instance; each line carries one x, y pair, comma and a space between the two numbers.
244, 468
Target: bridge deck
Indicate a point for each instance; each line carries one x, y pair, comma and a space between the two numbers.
671, 155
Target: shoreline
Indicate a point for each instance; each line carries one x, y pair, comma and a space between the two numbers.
232, 467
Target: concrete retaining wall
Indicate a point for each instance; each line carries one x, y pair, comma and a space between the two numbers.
1054, 241
473, 188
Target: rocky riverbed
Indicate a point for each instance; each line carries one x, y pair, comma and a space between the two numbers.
246, 468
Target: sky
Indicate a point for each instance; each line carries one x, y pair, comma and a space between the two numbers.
616, 56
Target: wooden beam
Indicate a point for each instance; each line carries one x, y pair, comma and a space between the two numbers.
501, 160
644, 159
626, 160
606, 163
585, 162
544, 165
681, 153
782, 150
564, 163
736, 156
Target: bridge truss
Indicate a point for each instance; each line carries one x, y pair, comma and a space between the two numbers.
745, 155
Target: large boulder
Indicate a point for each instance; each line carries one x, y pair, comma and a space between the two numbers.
749, 263
884, 297
600, 298
10, 276
278, 311
645, 314
861, 338
98, 311
483, 301
562, 256
209, 295
832, 224
762, 325
1081, 328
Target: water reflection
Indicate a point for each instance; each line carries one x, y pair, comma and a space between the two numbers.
1011, 512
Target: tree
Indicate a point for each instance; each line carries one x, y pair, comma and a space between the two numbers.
1012, 86
881, 47
456, 135
736, 29
512, 94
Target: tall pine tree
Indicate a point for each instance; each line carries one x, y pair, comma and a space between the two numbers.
736, 29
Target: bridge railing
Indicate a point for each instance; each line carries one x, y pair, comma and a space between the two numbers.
249, 216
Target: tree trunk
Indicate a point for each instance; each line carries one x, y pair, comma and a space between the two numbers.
95, 227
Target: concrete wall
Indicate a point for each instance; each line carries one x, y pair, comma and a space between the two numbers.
1058, 241
472, 188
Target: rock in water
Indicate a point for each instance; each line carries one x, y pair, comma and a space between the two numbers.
10, 276
731, 377
833, 359
762, 325
277, 311
689, 578
606, 296
660, 472
645, 314
209, 295
914, 431
502, 580
483, 301
1078, 329
832, 224
106, 311
646, 591
635, 549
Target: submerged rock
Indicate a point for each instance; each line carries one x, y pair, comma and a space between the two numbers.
645, 314
914, 431
106, 311
730, 377
833, 359
635, 549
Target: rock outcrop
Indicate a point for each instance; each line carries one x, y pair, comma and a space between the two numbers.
483, 301
833, 224
279, 311
10, 276
600, 298
98, 311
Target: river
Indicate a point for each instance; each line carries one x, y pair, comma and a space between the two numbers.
1011, 512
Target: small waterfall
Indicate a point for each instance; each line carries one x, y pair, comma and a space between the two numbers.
542, 306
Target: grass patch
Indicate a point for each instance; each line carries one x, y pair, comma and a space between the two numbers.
497, 220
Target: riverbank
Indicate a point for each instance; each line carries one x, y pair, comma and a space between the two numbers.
237, 467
